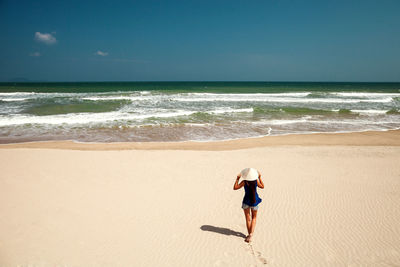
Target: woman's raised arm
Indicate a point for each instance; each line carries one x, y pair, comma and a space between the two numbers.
260, 183
238, 185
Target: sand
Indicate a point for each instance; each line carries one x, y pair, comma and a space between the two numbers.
369, 138
324, 204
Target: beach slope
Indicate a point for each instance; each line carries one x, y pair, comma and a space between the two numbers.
323, 205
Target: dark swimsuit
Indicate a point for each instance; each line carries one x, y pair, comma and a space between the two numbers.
248, 199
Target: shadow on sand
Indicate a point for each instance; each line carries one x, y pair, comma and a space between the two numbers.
220, 230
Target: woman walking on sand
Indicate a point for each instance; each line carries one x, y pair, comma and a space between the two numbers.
251, 180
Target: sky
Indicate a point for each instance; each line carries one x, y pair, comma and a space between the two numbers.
270, 40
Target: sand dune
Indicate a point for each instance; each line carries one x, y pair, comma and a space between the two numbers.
322, 206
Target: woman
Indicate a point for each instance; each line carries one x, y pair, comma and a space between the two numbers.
251, 198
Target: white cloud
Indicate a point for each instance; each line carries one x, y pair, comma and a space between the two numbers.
101, 53
35, 54
46, 38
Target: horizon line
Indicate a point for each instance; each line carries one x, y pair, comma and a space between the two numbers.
197, 81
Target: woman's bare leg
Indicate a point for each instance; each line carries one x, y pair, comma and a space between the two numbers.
248, 219
252, 225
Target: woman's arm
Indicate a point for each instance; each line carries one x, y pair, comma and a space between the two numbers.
237, 186
260, 183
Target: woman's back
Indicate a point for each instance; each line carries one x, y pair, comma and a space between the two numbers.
251, 197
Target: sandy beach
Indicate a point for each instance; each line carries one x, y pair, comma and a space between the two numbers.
329, 200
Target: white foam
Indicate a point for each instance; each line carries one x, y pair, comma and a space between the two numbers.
279, 122
161, 106
283, 122
17, 93
351, 122
365, 94
283, 100
108, 98
13, 99
306, 119
86, 95
130, 98
86, 118
197, 124
369, 111
293, 94
46, 95
230, 110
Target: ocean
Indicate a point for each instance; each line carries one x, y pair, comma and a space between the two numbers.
196, 111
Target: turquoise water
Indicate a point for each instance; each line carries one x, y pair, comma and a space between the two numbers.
216, 87
201, 111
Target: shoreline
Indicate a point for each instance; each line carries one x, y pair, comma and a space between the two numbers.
367, 138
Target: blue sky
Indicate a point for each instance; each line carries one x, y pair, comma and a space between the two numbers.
271, 40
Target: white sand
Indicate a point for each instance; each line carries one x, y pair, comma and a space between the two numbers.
322, 206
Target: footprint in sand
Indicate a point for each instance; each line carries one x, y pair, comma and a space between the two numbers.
261, 258
257, 254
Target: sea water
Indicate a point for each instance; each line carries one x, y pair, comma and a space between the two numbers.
199, 111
